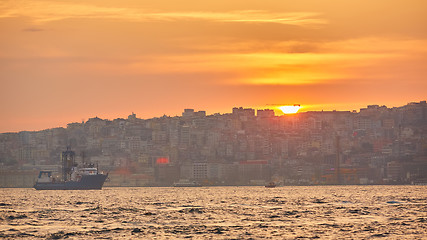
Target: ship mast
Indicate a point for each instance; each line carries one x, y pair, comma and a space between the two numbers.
67, 163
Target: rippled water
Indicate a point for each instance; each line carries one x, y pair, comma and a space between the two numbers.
325, 212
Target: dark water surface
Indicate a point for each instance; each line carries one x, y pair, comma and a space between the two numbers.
324, 212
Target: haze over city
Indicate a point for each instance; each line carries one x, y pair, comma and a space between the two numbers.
65, 61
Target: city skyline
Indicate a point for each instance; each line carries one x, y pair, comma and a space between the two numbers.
377, 145
64, 62
278, 111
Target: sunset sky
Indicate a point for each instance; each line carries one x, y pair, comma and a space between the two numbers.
67, 61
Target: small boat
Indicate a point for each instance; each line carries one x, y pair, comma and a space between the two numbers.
270, 185
186, 183
73, 177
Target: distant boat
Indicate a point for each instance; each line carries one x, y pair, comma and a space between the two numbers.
73, 177
270, 185
186, 183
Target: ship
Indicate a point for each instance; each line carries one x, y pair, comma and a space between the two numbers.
86, 177
186, 183
271, 185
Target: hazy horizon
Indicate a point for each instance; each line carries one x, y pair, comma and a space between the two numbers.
277, 111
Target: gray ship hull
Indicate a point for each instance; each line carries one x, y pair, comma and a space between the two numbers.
88, 182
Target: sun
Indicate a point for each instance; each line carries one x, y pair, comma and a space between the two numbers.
290, 109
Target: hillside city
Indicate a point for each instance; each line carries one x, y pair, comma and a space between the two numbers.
377, 145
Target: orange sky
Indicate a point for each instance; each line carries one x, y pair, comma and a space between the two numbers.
67, 61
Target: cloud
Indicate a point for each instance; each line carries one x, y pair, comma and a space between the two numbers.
250, 16
32, 29
43, 12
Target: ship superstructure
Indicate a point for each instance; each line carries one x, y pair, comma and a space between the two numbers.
73, 177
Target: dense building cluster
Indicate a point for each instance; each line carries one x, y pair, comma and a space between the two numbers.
246, 147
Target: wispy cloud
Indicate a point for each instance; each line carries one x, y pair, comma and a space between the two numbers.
32, 29
43, 12
330, 63
250, 16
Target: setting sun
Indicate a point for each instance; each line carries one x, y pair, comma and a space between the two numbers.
290, 109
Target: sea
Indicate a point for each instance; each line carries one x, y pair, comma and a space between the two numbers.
297, 212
